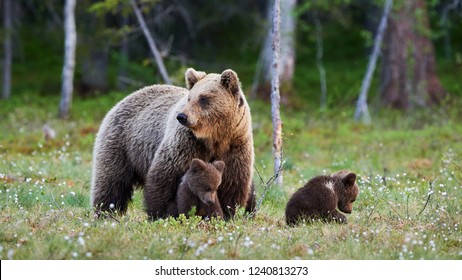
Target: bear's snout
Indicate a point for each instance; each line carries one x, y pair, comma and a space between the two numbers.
182, 118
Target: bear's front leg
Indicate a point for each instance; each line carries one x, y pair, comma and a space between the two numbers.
160, 188
235, 188
338, 217
214, 210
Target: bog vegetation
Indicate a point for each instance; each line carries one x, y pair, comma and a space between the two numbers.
410, 174
409, 163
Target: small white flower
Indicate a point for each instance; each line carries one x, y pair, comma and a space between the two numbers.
81, 241
10, 254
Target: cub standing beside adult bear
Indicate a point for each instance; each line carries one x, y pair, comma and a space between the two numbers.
150, 137
198, 188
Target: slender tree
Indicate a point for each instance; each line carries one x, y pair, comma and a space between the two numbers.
409, 76
362, 111
70, 43
319, 55
275, 96
7, 49
151, 42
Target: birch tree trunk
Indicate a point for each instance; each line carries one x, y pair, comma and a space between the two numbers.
151, 43
70, 43
362, 110
319, 55
275, 96
7, 49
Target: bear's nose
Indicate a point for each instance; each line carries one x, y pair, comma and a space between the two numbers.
182, 118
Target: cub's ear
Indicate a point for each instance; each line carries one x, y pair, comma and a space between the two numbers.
349, 179
196, 165
219, 165
192, 77
230, 81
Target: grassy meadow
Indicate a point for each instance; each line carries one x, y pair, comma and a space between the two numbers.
409, 168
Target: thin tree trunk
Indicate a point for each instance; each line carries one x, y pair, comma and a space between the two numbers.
7, 49
151, 43
70, 42
362, 110
275, 97
319, 55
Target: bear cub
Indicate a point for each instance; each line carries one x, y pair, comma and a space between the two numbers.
321, 196
198, 188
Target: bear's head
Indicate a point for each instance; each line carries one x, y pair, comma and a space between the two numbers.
203, 179
215, 103
347, 191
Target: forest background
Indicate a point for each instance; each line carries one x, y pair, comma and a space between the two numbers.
407, 153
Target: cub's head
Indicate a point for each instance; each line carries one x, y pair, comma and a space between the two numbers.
215, 103
347, 190
203, 179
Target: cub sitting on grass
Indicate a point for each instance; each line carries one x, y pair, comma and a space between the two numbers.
198, 188
319, 198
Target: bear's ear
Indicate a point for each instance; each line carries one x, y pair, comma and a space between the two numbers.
196, 165
230, 81
192, 77
219, 165
349, 179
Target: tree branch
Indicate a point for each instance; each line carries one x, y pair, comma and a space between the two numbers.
151, 43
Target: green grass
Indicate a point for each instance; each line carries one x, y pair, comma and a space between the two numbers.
409, 207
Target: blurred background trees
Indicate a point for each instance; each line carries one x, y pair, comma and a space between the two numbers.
324, 47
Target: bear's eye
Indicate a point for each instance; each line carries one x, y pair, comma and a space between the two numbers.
209, 189
204, 101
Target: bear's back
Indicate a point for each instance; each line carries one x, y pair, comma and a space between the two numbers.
127, 122
316, 196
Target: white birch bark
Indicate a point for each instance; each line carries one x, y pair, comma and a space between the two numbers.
275, 96
7, 49
70, 43
319, 64
362, 110
151, 43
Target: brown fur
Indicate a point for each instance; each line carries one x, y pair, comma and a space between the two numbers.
141, 142
317, 201
198, 189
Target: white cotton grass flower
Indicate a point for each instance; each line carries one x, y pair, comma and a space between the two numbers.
81, 241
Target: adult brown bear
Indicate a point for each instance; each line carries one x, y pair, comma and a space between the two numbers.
150, 137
